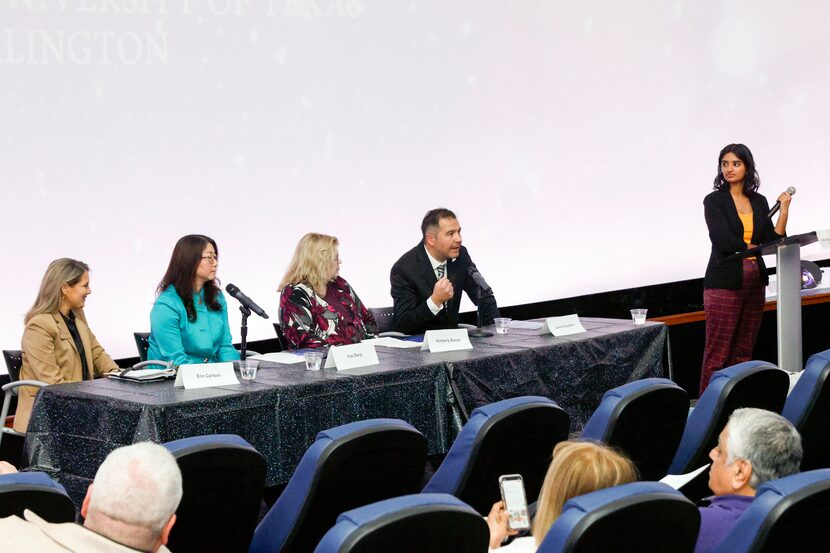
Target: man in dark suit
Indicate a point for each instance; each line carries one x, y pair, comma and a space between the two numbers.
428, 279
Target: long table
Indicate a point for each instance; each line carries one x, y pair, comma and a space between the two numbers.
73, 427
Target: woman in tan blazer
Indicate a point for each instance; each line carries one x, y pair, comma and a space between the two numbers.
57, 344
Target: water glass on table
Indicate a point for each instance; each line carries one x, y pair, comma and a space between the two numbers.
248, 368
313, 360
639, 316
502, 324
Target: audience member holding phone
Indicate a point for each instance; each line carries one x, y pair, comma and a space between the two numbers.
577, 468
57, 344
189, 320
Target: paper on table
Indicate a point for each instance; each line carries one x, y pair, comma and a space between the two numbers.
390, 342
526, 325
282, 357
677, 481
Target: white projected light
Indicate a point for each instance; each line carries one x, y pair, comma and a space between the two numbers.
575, 141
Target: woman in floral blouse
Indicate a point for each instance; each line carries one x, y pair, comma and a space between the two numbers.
317, 306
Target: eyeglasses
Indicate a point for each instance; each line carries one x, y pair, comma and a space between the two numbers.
211, 258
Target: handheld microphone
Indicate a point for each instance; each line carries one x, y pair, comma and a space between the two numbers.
472, 271
245, 300
777, 206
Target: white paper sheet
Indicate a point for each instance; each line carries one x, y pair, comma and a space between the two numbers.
282, 357
389, 342
677, 481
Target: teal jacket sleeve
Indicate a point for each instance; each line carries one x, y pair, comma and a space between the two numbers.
166, 327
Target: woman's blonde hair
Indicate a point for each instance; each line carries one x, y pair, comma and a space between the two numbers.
60, 271
578, 467
312, 261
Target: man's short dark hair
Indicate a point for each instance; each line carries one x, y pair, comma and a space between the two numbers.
433, 218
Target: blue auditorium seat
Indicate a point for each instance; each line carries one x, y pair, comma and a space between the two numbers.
38, 493
790, 514
808, 408
645, 420
752, 384
641, 517
223, 477
513, 436
346, 467
437, 523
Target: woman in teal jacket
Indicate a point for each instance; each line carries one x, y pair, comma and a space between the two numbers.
189, 320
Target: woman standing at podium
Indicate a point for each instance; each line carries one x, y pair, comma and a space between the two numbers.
189, 320
733, 288
317, 306
58, 345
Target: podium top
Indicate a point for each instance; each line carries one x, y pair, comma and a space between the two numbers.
771, 247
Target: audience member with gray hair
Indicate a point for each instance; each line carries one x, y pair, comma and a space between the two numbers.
756, 446
129, 506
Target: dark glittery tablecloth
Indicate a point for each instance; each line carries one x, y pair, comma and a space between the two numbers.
74, 426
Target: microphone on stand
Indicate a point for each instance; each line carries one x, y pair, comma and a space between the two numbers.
777, 205
482, 284
484, 291
245, 300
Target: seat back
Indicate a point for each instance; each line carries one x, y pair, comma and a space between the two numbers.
808, 408
789, 514
142, 343
14, 360
223, 477
346, 467
752, 384
437, 523
384, 318
641, 516
512, 436
38, 493
281, 337
626, 419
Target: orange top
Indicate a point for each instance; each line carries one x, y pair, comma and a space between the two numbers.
746, 220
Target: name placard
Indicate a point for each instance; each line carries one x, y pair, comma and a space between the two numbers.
563, 326
454, 339
205, 375
351, 356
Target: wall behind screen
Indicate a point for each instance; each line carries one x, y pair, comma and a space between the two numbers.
575, 140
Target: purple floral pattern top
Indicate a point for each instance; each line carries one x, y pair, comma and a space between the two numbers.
311, 321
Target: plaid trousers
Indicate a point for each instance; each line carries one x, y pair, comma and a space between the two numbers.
733, 318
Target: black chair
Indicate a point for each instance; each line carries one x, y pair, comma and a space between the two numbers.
808, 408
512, 436
346, 467
787, 515
281, 337
646, 517
14, 361
142, 343
644, 419
384, 318
223, 477
38, 493
437, 523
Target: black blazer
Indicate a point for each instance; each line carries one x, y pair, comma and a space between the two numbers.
727, 235
413, 280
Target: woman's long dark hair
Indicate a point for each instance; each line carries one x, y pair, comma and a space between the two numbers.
751, 179
181, 273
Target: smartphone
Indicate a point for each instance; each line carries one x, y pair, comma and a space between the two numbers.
515, 502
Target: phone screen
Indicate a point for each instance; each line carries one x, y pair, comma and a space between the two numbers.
515, 503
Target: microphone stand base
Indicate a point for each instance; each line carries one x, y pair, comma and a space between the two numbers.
479, 333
